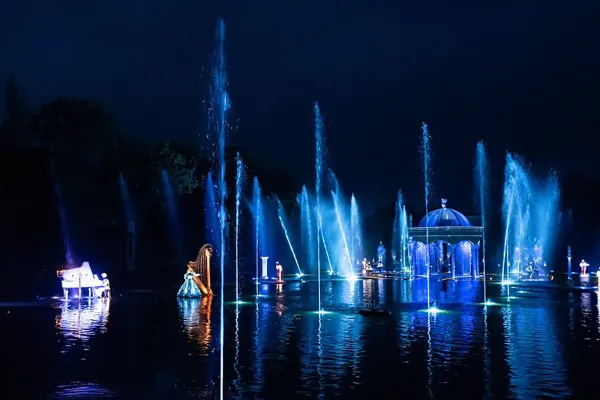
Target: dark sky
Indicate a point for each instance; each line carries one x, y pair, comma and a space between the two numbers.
522, 75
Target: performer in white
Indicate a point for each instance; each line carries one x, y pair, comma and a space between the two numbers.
279, 270
583, 265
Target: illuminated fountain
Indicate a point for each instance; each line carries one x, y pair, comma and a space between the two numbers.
173, 221
281, 216
426, 161
211, 213
356, 239
219, 105
258, 218
239, 183
400, 250
319, 160
62, 214
481, 179
530, 220
130, 221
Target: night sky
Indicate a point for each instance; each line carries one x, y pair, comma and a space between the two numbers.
522, 75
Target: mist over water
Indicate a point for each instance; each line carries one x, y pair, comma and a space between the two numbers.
530, 209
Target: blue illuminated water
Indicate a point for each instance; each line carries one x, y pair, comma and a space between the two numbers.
347, 259
240, 177
355, 233
282, 219
319, 161
482, 184
219, 106
62, 215
127, 202
211, 212
150, 345
258, 218
173, 221
426, 150
530, 209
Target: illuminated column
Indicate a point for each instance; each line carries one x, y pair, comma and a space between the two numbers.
569, 265
475, 260
453, 260
264, 267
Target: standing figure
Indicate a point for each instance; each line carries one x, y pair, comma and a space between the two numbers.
106, 285
279, 270
364, 264
189, 287
583, 265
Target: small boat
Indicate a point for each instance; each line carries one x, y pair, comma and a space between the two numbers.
374, 312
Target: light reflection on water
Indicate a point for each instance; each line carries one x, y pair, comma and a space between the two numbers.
278, 347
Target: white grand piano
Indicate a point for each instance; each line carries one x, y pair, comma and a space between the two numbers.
81, 278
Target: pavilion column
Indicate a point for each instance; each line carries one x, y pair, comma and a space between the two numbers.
475, 260
453, 259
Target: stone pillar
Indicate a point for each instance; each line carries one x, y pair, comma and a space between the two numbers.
474, 260
265, 274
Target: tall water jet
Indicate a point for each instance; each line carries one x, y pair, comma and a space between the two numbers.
396, 243
126, 198
257, 214
426, 166
281, 216
219, 106
356, 233
405, 253
129, 220
62, 215
211, 213
400, 234
239, 184
530, 215
319, 161
481, 179
173, 221
307, 228
338, 213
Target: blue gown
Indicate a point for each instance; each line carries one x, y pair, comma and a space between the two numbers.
189, 287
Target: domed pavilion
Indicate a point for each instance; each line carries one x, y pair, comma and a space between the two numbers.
453, 244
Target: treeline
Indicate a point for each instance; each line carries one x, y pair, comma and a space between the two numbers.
66, 157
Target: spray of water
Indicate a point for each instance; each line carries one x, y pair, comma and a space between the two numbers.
481, 178
530, 217
62, 215
307, 227
426, 166
319, 161
126, 198
355, 228
336, 205
281, 215
239, 184
173, 220
257, 211
219, 106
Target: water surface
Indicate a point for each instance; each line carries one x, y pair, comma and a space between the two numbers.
539, 344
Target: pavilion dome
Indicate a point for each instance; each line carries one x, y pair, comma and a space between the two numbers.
444, 217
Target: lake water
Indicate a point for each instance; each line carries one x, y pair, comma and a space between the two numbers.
150, 345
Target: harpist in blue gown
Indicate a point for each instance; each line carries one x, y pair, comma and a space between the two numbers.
189, 287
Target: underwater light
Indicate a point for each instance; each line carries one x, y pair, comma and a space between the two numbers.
433, 310
506, 282
299, 275
352, 278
